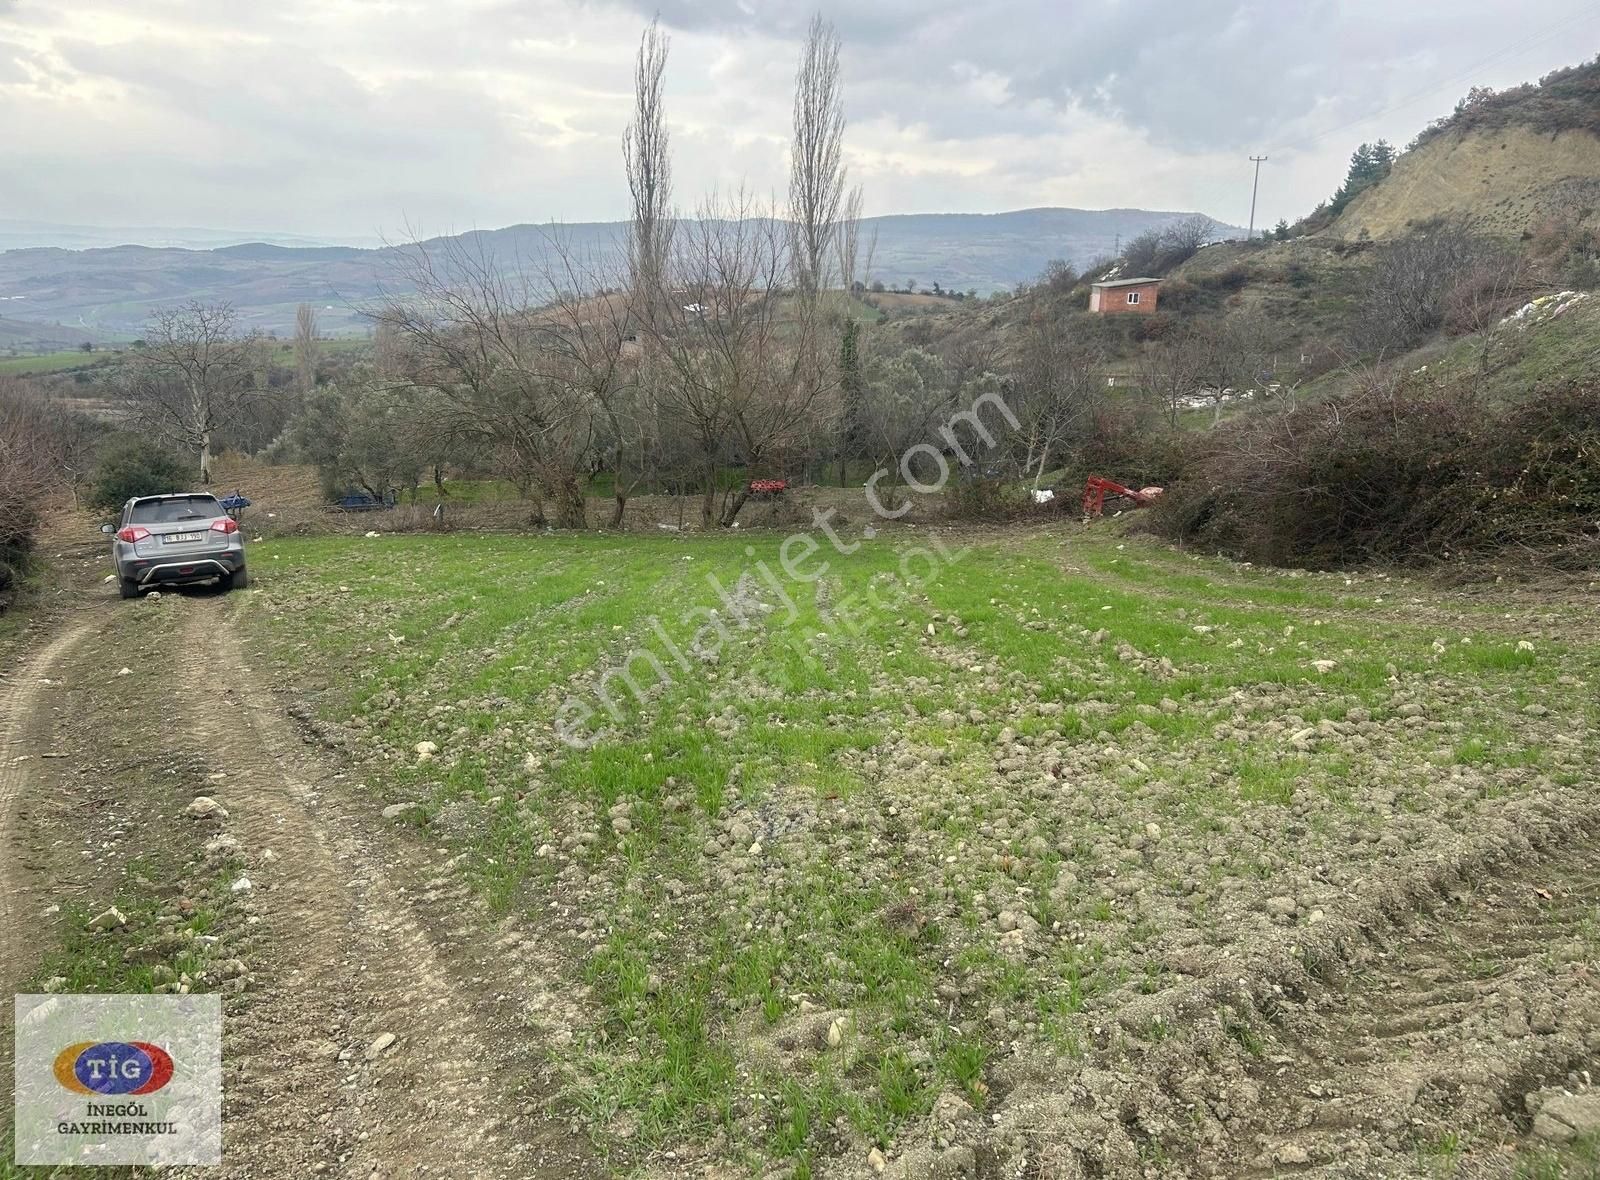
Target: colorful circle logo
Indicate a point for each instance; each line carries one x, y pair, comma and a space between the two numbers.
113, 1067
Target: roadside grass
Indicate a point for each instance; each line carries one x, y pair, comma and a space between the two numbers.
939, 815
89, 963
164, 946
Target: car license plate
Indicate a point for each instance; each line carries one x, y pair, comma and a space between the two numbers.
178, 538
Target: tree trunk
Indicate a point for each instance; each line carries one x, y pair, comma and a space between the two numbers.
205, 459
733, 506
708, 502
569, 501
622, 505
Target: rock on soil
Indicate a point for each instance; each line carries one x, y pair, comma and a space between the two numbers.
1566, 1117
110, 919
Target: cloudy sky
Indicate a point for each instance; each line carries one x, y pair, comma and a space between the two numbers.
350, 118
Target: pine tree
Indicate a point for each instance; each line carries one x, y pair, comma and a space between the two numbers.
1369, 164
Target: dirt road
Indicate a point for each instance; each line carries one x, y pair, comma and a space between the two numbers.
362, 1040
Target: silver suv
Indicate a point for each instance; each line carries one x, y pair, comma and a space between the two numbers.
176, 540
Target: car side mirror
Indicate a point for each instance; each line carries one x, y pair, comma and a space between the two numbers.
108, 528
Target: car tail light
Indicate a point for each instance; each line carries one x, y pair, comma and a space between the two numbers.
133, 534
226, 525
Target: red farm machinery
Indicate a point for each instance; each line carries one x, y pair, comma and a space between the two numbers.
1097, 489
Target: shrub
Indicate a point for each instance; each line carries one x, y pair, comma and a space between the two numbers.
1565, 100
1228, 280
1568, 250
1134, 448
135, 467
986, 498
28, 472
1395, 476
1409, 286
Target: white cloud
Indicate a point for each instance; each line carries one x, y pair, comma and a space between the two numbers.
355, 117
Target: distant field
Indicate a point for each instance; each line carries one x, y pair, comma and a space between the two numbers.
50, 362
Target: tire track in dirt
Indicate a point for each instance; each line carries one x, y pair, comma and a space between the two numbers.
21, 725
343, 961
1436, 1041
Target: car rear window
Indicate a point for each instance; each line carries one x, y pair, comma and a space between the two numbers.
175, 509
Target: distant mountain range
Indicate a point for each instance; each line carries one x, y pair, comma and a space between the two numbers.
27, 235
112, 290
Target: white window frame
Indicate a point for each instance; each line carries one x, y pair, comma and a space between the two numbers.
1133, 297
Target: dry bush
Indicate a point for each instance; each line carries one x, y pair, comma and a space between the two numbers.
1132, 446
1157, 251
1564, 100
986, 498
29, 473
1390, 475
1568, 252
1410, 283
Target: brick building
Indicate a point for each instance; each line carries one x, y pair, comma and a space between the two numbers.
1137, 296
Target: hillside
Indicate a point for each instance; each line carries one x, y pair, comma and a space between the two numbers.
114, 290
1507, 161
1506, 180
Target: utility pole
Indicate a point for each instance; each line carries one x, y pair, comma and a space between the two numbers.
1255, 184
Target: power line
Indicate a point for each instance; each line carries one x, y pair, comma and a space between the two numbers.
1254, 185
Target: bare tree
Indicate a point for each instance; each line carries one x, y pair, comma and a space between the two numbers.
1156, 251
647, 159
847, 241
1235, 357
1182, 240
476, 339
28, 472
1485, 294
816, 164
306, 349
1169, 369
194, 375
1140, 252
1057, 389
1206, 361
1409, 285
903, 402
742, 375
388, 350
74, 439
586, 338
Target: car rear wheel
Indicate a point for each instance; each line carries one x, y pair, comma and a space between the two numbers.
128, 588
239, 579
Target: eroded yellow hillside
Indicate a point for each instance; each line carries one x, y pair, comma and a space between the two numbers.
1507, 179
